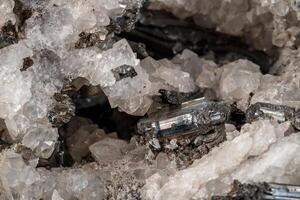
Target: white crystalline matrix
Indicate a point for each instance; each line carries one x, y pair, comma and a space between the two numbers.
6, 12
51, 33
22, 181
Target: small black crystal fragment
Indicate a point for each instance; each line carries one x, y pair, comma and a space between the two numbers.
176, 98
124, 22
8, 35
124, 71
261, 191
63, 110
139, 49
89, 39
245, 192
27, 62
269, 111
297, 119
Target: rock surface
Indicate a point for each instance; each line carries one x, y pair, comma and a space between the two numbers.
262, 141
6, 10
51, 51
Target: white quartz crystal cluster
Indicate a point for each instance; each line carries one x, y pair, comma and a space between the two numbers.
260, 152
58, 25
242, 82
22, 180
258, 21
51, 33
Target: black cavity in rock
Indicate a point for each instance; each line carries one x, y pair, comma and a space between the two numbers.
237, 117
164, 38
27, 62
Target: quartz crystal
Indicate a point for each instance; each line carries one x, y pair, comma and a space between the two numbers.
10, 71
108, 149
264, 140
64, 22
282, 90
22, 181
174, 76
209, 76
190, 62
238, 80
79, 142
15, 174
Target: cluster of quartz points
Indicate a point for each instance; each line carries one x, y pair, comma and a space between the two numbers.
51, 33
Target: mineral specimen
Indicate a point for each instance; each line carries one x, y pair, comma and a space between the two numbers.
179, 153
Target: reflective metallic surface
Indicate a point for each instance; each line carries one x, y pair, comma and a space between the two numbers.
124, 71
276, 112
191, 117
297, 120
270, 111
282, 192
